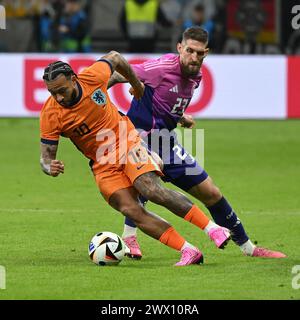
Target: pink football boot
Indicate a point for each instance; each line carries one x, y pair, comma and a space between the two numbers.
190, 256
220, 236
266, 253
134, 248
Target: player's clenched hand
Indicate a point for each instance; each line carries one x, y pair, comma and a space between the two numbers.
137, 90
187, 121
56, 167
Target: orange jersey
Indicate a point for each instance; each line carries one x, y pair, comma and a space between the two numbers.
81, 123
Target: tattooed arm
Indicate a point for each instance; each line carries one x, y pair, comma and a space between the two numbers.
121, 65
49, 165
116, 78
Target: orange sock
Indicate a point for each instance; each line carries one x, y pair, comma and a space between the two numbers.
172, 239
197, 217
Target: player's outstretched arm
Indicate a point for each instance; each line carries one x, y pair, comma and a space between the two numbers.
121, 65
116, 78
49, 164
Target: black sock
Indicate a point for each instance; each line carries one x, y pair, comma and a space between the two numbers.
224, 216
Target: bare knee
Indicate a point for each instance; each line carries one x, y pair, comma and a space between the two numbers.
214, 195
134, 212
207, 192
126, 202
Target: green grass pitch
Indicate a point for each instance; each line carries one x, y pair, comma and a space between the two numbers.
46, 223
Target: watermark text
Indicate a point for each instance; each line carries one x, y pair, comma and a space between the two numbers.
296, 278
2, 17
296, 19
2, 278
178, 147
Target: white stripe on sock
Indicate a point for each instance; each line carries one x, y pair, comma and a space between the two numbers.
129, 231
247, 248
209, 226
187, 245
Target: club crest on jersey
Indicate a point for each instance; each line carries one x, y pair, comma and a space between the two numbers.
99, 97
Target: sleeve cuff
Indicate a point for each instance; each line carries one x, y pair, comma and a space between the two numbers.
47, 141
108, 62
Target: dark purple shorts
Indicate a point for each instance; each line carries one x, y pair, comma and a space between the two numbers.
180, 168
183, 170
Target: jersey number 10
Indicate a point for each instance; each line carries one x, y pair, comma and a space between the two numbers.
82, 130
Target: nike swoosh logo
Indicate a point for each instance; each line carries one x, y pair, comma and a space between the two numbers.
140, 167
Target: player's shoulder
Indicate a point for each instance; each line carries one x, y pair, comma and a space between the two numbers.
162, 66
49, 107
86, 76
99, 70
169, 57
169, 60
164, 63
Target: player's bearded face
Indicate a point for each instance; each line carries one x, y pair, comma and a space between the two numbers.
192, 53
63, 90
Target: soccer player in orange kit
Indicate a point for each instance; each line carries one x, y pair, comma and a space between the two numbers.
79, 108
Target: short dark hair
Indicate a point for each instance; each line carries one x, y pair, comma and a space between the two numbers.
54, 69
195, 33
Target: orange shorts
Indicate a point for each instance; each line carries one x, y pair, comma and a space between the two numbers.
136, 161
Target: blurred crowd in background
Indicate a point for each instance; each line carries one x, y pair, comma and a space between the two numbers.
234, 26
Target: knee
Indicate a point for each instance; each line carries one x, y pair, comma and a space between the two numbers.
215, 194
212, 196
134, 212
